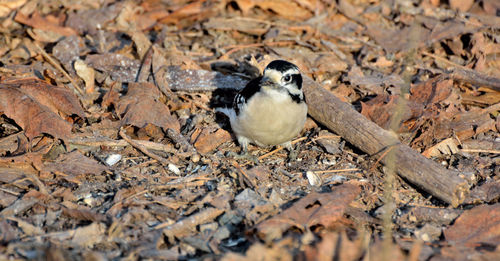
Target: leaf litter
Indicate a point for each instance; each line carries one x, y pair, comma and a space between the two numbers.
153, 72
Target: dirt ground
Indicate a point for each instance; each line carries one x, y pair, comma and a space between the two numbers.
111, 149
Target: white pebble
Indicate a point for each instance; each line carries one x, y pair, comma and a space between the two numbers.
174, 169
113, 159
313, 179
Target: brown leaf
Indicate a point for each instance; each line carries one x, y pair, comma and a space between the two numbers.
90, 235
462, 253
466, 124
35, 106
323, 209
92, 20
208, 140
344, 249
194, 11
431, 91
9, 233
185, 226
259, 251
448, 146
8, 6
84, 214
450, 29
59, 100
74, 165
381, 109
285, 8
373, 84
237, 23
86, 73
487, 192
27, 228
6, 199
491, 7
140, 106
461, 5
329, 63
480, 225
395, 40
43, 23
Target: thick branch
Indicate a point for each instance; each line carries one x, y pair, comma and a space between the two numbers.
424, 173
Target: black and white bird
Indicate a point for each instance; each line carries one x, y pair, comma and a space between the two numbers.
271, 109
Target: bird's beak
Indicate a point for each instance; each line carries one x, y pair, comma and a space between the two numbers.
266, 81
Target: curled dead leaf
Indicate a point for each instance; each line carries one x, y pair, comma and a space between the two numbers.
448, 147
38, 107
323, 209
86, 73
140, 107
480, 225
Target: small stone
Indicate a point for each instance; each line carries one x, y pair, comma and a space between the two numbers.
113, 159
195, 158
174, 169
314, 179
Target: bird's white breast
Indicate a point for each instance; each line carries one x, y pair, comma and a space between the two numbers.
270, 118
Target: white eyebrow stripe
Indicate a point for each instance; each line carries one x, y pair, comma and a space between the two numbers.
291, 71
269, 72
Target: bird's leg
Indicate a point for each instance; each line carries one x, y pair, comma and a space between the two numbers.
244, 155
293, 152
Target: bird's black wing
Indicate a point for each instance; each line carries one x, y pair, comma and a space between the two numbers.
246, 93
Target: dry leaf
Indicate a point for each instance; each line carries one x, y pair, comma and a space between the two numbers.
86, 73
208, 141
140, 106
480, 225
8, 6
315, 209
461, 5
73, 166
285, 8
90, 235
447, 147
35, 106
382, 108
120, 67
39, 22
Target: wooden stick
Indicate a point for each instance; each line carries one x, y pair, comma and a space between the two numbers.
59, 67
424, 173
143, 149
465, 74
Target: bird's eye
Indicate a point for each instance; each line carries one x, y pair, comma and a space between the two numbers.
287, 78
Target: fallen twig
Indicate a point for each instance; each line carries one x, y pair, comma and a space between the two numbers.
465, 74
58, 67
341, 118
481, 151
185, 226
181, 141
108, 142
143, 149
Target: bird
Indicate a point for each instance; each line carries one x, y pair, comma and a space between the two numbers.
271, 110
